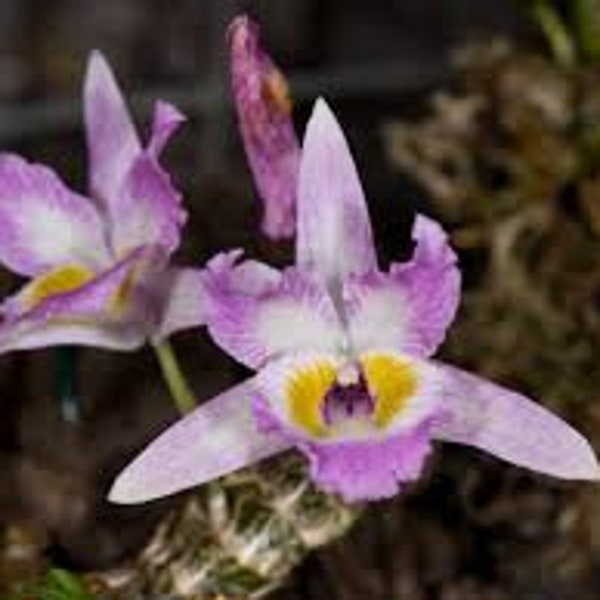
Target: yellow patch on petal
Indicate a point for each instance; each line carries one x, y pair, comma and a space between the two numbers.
122, 296
57, 281
392, 382
305, 392
275, 88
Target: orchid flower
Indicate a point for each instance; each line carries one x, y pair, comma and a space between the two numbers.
98, 266
342, 351
264, 107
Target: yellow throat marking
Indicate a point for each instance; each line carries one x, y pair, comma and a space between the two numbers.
60, 280
305, 392
392, 382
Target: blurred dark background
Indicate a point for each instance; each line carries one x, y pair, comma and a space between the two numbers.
375, 62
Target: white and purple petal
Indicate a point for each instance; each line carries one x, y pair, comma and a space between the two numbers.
263, 108
433, 280
250, 277
114, 310
513, 427
379, 314
334, 238
369, 470
43, 223
150, 211
255, 314
411, 307
167, 120
217, 438
112, 141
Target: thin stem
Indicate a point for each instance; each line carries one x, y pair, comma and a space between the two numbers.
557, 35
66, 382
174, 378
586, 22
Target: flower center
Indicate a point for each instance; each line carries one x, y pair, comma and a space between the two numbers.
327, 400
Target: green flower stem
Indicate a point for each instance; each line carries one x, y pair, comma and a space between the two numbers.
586, 21
557, 35
66, 382
174, 378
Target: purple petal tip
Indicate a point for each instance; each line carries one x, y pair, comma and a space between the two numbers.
239, 28
514, 428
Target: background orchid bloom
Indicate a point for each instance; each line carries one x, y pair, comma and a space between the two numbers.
342, 349
98, 267
264, 109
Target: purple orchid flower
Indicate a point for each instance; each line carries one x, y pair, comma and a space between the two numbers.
342, 351
264, 109
98, 267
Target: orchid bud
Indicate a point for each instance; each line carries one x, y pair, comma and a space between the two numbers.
264, 108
